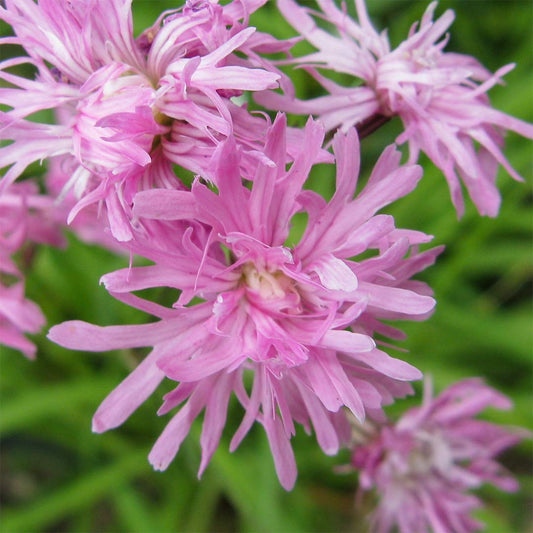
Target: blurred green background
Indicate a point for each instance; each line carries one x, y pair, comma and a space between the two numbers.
58, 476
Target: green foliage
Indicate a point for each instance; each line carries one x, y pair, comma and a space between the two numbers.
58, 476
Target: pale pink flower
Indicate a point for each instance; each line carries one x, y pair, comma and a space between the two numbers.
121, 103
25, 216
298, 317
440, 96
424, 466
88, 225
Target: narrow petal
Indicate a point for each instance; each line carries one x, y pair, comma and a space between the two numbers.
131, 393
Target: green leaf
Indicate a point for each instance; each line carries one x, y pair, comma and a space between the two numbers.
89, 488
47, 401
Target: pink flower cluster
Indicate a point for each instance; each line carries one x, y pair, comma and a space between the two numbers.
422, 465
282, 314
301, 318
440, 97
25, 217
128, 109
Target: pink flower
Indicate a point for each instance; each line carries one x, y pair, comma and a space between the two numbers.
297, 318
122, 104
440, 96
88, 225
423, 466
18, 316
24, 216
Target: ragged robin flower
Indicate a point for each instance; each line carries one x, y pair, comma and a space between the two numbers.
441, 97
127, 109
287, 327
424, 466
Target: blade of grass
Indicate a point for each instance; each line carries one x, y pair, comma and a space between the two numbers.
48, 401
87, 489
203, 507
133, 511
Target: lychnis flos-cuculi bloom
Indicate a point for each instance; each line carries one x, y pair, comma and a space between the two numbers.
284, 301
423, 466
441, 97
25, 217
299, 317
128, 109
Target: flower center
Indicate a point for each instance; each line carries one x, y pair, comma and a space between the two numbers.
431, 453
161, 118
268, 285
